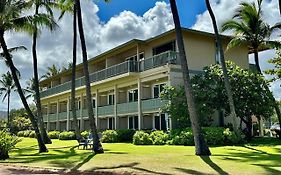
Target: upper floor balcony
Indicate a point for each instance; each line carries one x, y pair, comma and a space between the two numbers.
123, 68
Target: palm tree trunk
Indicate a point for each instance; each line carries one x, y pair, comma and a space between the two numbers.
44, 134
275, 103
224, 69
200, 144
97, 147
280, 7
8, 111
73, 99
42, 146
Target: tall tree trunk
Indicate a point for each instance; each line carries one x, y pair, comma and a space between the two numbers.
224, 69
44, 134
8, 111
275, 103
42, 146
280, 7
200, 144
97, 147
73, 99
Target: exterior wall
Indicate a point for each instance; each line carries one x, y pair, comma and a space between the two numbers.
147, 122
123, 123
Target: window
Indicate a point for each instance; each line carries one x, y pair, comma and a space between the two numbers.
110, 99
160, 122
171, 46
110, 123
157, 89
133, 95
94, 102
133, 122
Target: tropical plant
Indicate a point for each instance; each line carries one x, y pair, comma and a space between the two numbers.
200, 144
250, 28
51, 71
7, 142
7, 85
12, 18
276, 71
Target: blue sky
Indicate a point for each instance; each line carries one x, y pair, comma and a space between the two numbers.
187, 9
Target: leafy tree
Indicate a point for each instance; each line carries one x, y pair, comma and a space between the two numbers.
276, 71
13, 19
250, 94
250, 29
7, 85
200, 144
51, 71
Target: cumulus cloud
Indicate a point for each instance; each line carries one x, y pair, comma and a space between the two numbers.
224, 10
56, 47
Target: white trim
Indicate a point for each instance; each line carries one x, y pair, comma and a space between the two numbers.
128, 91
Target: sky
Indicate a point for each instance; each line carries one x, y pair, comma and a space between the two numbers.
107, 25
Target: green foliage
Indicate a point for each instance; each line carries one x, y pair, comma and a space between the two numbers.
26, 133
85, 134
214, 135
125, 135
159, 137
67, 135
32, 134
20, 120
181, 137
276, 71
20, 133
7, 142
54, 134
142, 138
232, 138
109, 136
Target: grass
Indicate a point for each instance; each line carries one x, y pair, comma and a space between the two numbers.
262, 156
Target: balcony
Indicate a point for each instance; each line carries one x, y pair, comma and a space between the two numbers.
106, 110
52, 117
119, 69
127, 108
152, 105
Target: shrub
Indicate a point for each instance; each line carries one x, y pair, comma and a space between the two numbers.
26, 133
125, 135
181, 137
142, 138
7, 142
214, 135
20, 133
85, 134
32, 134
231, 138
54, 134
109, 136
67, 135
159, 137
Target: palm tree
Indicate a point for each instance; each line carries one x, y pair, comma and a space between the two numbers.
12, 19
46, 4
250, 28
200, 144
51, 71
97, 147
222, 62
280, 7
7, 85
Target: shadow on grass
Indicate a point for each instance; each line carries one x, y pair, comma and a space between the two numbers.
214, 166
189, 171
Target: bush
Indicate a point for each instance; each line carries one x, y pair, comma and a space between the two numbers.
54, 134
85, 134
109, 136
26, 133
20, 133
7, 142
214, 135
141, 138
183, 138
231, 138
159, 137
67, 135
125, 135
32, 134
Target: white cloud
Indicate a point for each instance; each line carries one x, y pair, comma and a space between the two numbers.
224, 10
56, 47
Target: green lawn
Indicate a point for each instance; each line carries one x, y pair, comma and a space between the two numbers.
259, 158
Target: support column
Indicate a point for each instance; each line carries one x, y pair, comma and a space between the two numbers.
140, 117
48, 115
96, 109
58, 123
67, 114
82, 126
116, 119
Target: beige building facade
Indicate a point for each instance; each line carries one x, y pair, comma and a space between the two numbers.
126, 82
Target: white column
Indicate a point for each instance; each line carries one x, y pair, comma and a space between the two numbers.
140, 118
116, 96
57, 123
48, 115
67, 114
82, 127
96, 109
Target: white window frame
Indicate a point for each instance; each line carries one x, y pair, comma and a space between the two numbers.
157, 84
128, 92
108, 98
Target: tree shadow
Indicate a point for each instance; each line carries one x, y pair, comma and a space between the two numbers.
214, 166
79, 165
189, 171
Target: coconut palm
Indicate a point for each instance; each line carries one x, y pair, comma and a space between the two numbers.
46, 5
200, 144
222, 62
13, 17
7, 85
250, 28
51, 71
